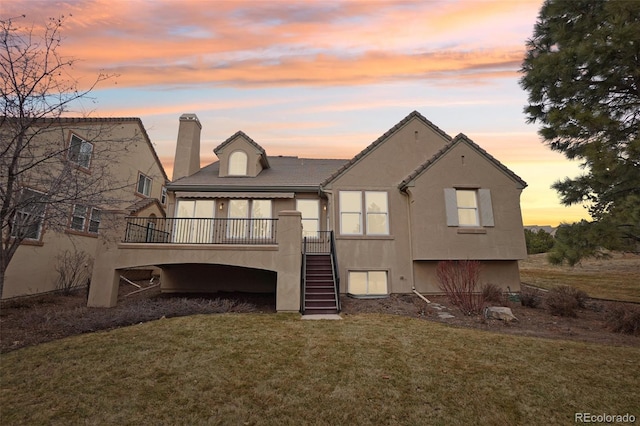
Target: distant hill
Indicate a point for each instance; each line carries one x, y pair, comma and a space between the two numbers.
547, 228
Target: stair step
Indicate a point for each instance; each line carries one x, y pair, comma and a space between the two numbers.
320, 286
319, 296
312, 311
316, 308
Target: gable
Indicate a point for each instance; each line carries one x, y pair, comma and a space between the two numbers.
388, 159
240, 146
471, 156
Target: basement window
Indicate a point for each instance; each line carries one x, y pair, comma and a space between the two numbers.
368, 283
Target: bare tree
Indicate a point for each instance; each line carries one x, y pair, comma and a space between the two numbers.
47, 176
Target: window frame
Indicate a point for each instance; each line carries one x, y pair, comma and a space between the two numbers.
484, 208
89, 217
462, 209
238, 169
308, 219
148, 187
364, 213
192, 230
352, 274
78, 157
39, 225
249, 230
163, 195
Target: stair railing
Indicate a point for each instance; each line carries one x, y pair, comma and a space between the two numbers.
303, 275
336, 275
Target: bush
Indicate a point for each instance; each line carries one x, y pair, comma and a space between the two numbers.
564, 300
530, 297
492, 293
538, 242
459, 281
74, 270
624, 319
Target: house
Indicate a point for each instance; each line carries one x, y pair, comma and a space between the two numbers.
309, 230
112, 158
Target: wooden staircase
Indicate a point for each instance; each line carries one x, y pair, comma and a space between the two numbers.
320, 289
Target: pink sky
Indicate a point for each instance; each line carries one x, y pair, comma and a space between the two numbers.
314, 78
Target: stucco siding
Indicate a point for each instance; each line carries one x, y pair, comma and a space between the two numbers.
33, 268
503, 273
392, 160
433, 239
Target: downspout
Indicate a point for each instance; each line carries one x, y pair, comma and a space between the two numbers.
407, 192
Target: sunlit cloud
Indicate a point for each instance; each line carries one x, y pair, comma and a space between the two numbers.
316, 79
285, 43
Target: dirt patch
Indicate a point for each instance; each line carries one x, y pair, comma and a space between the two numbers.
590, 325
34, 320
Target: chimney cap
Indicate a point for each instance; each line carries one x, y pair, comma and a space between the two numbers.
190, 117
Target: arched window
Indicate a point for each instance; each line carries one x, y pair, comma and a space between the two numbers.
238, 163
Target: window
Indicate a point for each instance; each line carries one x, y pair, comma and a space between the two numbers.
377, 213
144, 185
375, 206
253, 219
27, 223
238, 163
163, 196
310, 210
368, 283
195, 222
80, 151
85, 219
468, 207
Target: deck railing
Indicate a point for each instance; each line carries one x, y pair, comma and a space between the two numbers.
200, 230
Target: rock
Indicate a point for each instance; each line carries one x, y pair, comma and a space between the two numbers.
499, 313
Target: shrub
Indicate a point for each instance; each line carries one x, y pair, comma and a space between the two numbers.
538, 242
74, 270
459, 281
624, 319
564, 300
492, 293
530, 297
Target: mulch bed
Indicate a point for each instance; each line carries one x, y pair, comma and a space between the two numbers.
30, 321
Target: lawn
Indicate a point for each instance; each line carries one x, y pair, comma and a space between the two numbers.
276, 369
615, 278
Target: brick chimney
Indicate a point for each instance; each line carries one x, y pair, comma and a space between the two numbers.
187, 159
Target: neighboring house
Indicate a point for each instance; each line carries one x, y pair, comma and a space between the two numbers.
308, 229
117, 150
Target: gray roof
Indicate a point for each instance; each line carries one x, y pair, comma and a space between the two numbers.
458, 139
286, 173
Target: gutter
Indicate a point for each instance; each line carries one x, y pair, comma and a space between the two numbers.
236, 188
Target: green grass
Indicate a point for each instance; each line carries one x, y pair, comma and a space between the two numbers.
617, 278
276, 369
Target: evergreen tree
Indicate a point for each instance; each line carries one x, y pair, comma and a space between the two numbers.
582, 75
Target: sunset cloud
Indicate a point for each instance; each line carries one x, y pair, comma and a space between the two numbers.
315, 79
285, 43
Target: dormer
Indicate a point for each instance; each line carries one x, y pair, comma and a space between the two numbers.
241, 156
